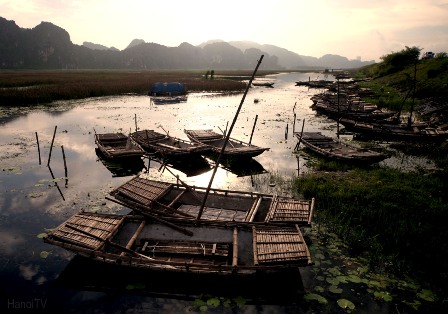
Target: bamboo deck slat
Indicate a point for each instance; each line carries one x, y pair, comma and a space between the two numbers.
275, 245
97, 226
288, 210
142, 190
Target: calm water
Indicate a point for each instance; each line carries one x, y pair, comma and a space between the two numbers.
34, 197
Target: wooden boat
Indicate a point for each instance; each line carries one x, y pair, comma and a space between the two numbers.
167, 146
121, 167
234, 148
117, 146
398, 132
226, 249
178, 201
337, 150
263, 84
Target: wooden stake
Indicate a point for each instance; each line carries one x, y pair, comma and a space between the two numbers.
65, 165
253, 129
51, 147
38, 148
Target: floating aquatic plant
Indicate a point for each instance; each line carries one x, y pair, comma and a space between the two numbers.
44, 254
346, 304
427, 295
42, 235
382, 295
315, 297
335, 289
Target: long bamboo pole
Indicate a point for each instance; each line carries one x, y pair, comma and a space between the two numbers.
227, 139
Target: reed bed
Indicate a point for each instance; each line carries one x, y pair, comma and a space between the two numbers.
24, 88
397, 219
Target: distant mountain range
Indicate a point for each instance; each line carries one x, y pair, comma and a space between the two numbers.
48, 46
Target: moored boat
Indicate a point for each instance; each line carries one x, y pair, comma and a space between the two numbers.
117, 146
168, 146
178, 201
208, 248
337, 150
234, 149
396, 132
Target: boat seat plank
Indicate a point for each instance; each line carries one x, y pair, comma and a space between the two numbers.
161, 248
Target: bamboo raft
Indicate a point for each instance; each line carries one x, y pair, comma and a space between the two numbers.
234, 147
209, 248
177, 201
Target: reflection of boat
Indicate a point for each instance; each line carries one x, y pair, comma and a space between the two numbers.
234, 148
246, 167
167, 146
169, 100
183, 202
190, 166
207, 248
87, 275
121, 168
117, 146
337, 150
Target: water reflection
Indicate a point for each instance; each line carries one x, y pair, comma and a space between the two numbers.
84, 274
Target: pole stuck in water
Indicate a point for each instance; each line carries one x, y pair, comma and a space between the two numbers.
38, 148
51, 147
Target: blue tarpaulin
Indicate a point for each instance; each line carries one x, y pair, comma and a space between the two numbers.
167, 89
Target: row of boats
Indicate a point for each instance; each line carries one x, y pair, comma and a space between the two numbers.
347, 106
137, 144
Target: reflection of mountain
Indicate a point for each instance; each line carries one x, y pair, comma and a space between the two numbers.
85, 274
121, 168
243, 167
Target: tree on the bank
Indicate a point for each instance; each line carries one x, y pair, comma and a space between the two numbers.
397, 61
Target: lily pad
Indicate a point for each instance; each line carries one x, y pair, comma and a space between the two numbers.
332, 281
427, 295
213, 302
353, 278
44, 254
335, 289
382, 295
315, 297
319, 288
334, 271
346, 304
240, 301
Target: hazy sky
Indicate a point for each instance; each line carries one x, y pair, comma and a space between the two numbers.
351, 28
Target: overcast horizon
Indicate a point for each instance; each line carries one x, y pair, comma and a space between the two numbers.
350, 28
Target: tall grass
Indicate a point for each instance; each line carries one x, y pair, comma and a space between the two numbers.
39, 87
398, 219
